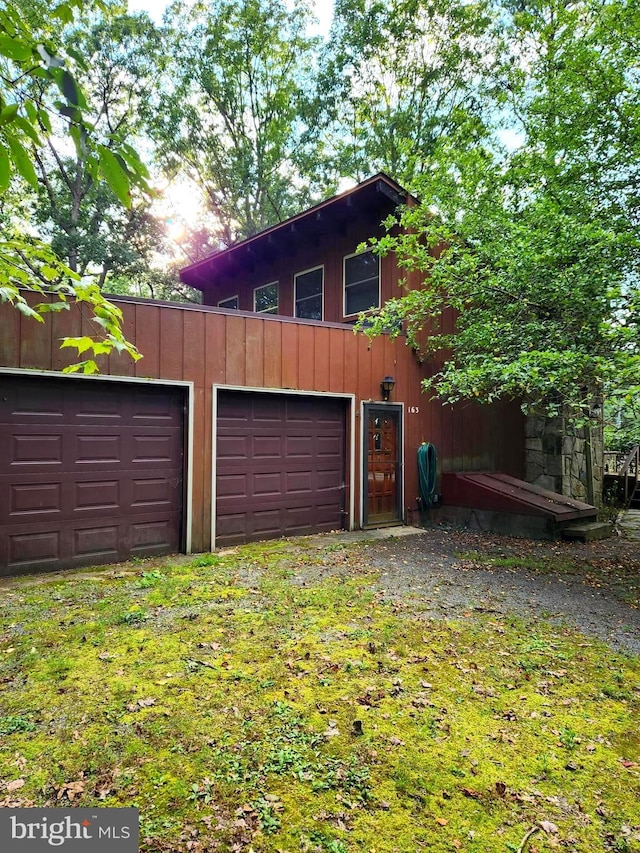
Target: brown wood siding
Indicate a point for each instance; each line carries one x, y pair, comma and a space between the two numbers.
204, 346
327, 252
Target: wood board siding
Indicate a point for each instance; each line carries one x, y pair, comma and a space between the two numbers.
328, 251
206, 347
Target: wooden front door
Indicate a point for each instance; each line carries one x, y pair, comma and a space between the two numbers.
382, 474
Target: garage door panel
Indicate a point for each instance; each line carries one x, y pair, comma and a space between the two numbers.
33, 499
149, 536
98, 449
149, 492
280, 467
96, 407
28, 548
97, 494
155, 409
265, 522
233, 446
91, 481
328, 446
297, 482
45, 547
35, 449
232, 486
96, 542
267, 484
21, 404
29, 447
266, 447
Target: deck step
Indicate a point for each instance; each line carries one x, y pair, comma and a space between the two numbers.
588, 532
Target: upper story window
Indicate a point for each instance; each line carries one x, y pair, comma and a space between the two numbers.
308, 294
361, 283
232, 303
265, 298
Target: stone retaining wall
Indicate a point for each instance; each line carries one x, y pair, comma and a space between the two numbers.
564, 459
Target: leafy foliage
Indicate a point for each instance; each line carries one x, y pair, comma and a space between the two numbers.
536, 248
39, 89
398, 77
87, 224
233, 119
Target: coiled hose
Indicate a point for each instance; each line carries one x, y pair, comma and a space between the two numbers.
427, 473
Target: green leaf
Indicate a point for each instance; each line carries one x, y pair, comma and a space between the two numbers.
45, 120
88, 366
52, 307
8, 113
23, 162
115, 175
82, 344
71, 90
5, 169
32, 112
14, 49
64, 13
49, 272
28, 311
27, 128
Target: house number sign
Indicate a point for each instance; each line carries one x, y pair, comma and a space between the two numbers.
413, 410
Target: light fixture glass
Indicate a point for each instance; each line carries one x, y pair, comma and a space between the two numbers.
386, 387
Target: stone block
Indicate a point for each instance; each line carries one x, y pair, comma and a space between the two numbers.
554, 465
534, 426
588, 532
552, 444
547, 482
536, 458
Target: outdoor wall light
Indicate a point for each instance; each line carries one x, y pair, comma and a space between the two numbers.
386, 387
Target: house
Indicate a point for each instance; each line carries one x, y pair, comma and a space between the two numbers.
257, 414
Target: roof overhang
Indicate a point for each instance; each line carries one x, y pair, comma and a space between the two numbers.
376, 197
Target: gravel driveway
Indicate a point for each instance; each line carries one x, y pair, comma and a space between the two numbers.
447, 572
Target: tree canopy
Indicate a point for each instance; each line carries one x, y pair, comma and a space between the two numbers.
235, 112
40, 97
517, 125
536, 246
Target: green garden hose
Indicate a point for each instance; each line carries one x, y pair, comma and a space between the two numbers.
427, 472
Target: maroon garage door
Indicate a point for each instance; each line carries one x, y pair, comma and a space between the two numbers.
91, 472
280, 468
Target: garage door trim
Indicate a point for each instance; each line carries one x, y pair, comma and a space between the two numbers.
351, 438
138, 380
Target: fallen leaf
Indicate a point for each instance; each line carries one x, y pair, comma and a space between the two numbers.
548, 827
13, 786
442, 821
470, 792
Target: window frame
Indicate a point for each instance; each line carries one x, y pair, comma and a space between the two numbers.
295, 296
262, 287
344, 282
229, 299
